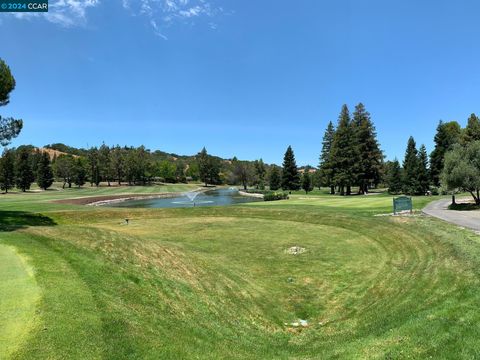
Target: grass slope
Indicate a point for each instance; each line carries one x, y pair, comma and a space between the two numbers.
215, 283
19, 294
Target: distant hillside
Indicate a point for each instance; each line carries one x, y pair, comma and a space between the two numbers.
59, 148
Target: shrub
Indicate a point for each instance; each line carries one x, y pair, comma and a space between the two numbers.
272, 196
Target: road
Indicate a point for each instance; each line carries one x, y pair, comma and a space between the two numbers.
467, 219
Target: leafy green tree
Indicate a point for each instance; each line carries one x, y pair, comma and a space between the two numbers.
260, 173
214, 174
131, 166
93, 166
44, 172
307, 185
64, 168
180, 169
208, 168
410, 169
344, 152
7, 168
106, 170
24, 176
370, 157
168, 171
393, 177
472, 130
80, 172
118, 163
193, 171
274, 178
326, 168
9, 127
242, 172
461, 169
144, 168
423, 175
290, 175
448, 134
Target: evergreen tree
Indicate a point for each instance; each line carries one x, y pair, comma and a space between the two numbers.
7, 167
290, 175
423, 176
307, 180
326, 169
44, 172
410, 169
208, 167
394, 177
9, 127
24, 176
448, 134
275, 179
204, 165
472, 130
370, 157
344, 152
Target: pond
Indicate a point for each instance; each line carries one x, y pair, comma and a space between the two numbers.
219, 197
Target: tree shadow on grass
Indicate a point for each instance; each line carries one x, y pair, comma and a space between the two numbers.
14, 220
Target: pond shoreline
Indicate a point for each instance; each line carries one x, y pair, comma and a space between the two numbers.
111, 199
105, 200
243, 193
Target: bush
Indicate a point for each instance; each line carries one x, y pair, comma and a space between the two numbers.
272, 196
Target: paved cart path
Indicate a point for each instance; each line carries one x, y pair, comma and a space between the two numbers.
439, 209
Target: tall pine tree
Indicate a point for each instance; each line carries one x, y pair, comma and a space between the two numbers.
290, 175
369, 156
344, 152
411, 168
394, 177
24, 176
448, 134
326, 169
472, 130
423, 175
44, 172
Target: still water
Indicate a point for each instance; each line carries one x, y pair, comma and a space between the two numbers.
218, 197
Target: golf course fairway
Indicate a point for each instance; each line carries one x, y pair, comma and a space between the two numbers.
221, 283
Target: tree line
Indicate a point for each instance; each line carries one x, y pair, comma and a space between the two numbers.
350, 157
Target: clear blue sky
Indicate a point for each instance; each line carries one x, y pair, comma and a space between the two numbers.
244, 78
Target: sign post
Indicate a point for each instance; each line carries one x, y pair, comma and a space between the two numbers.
402, 203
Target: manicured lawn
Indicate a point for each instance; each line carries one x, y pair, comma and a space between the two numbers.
217, 283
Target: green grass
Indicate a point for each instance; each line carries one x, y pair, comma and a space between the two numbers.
216, 283
20, 294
